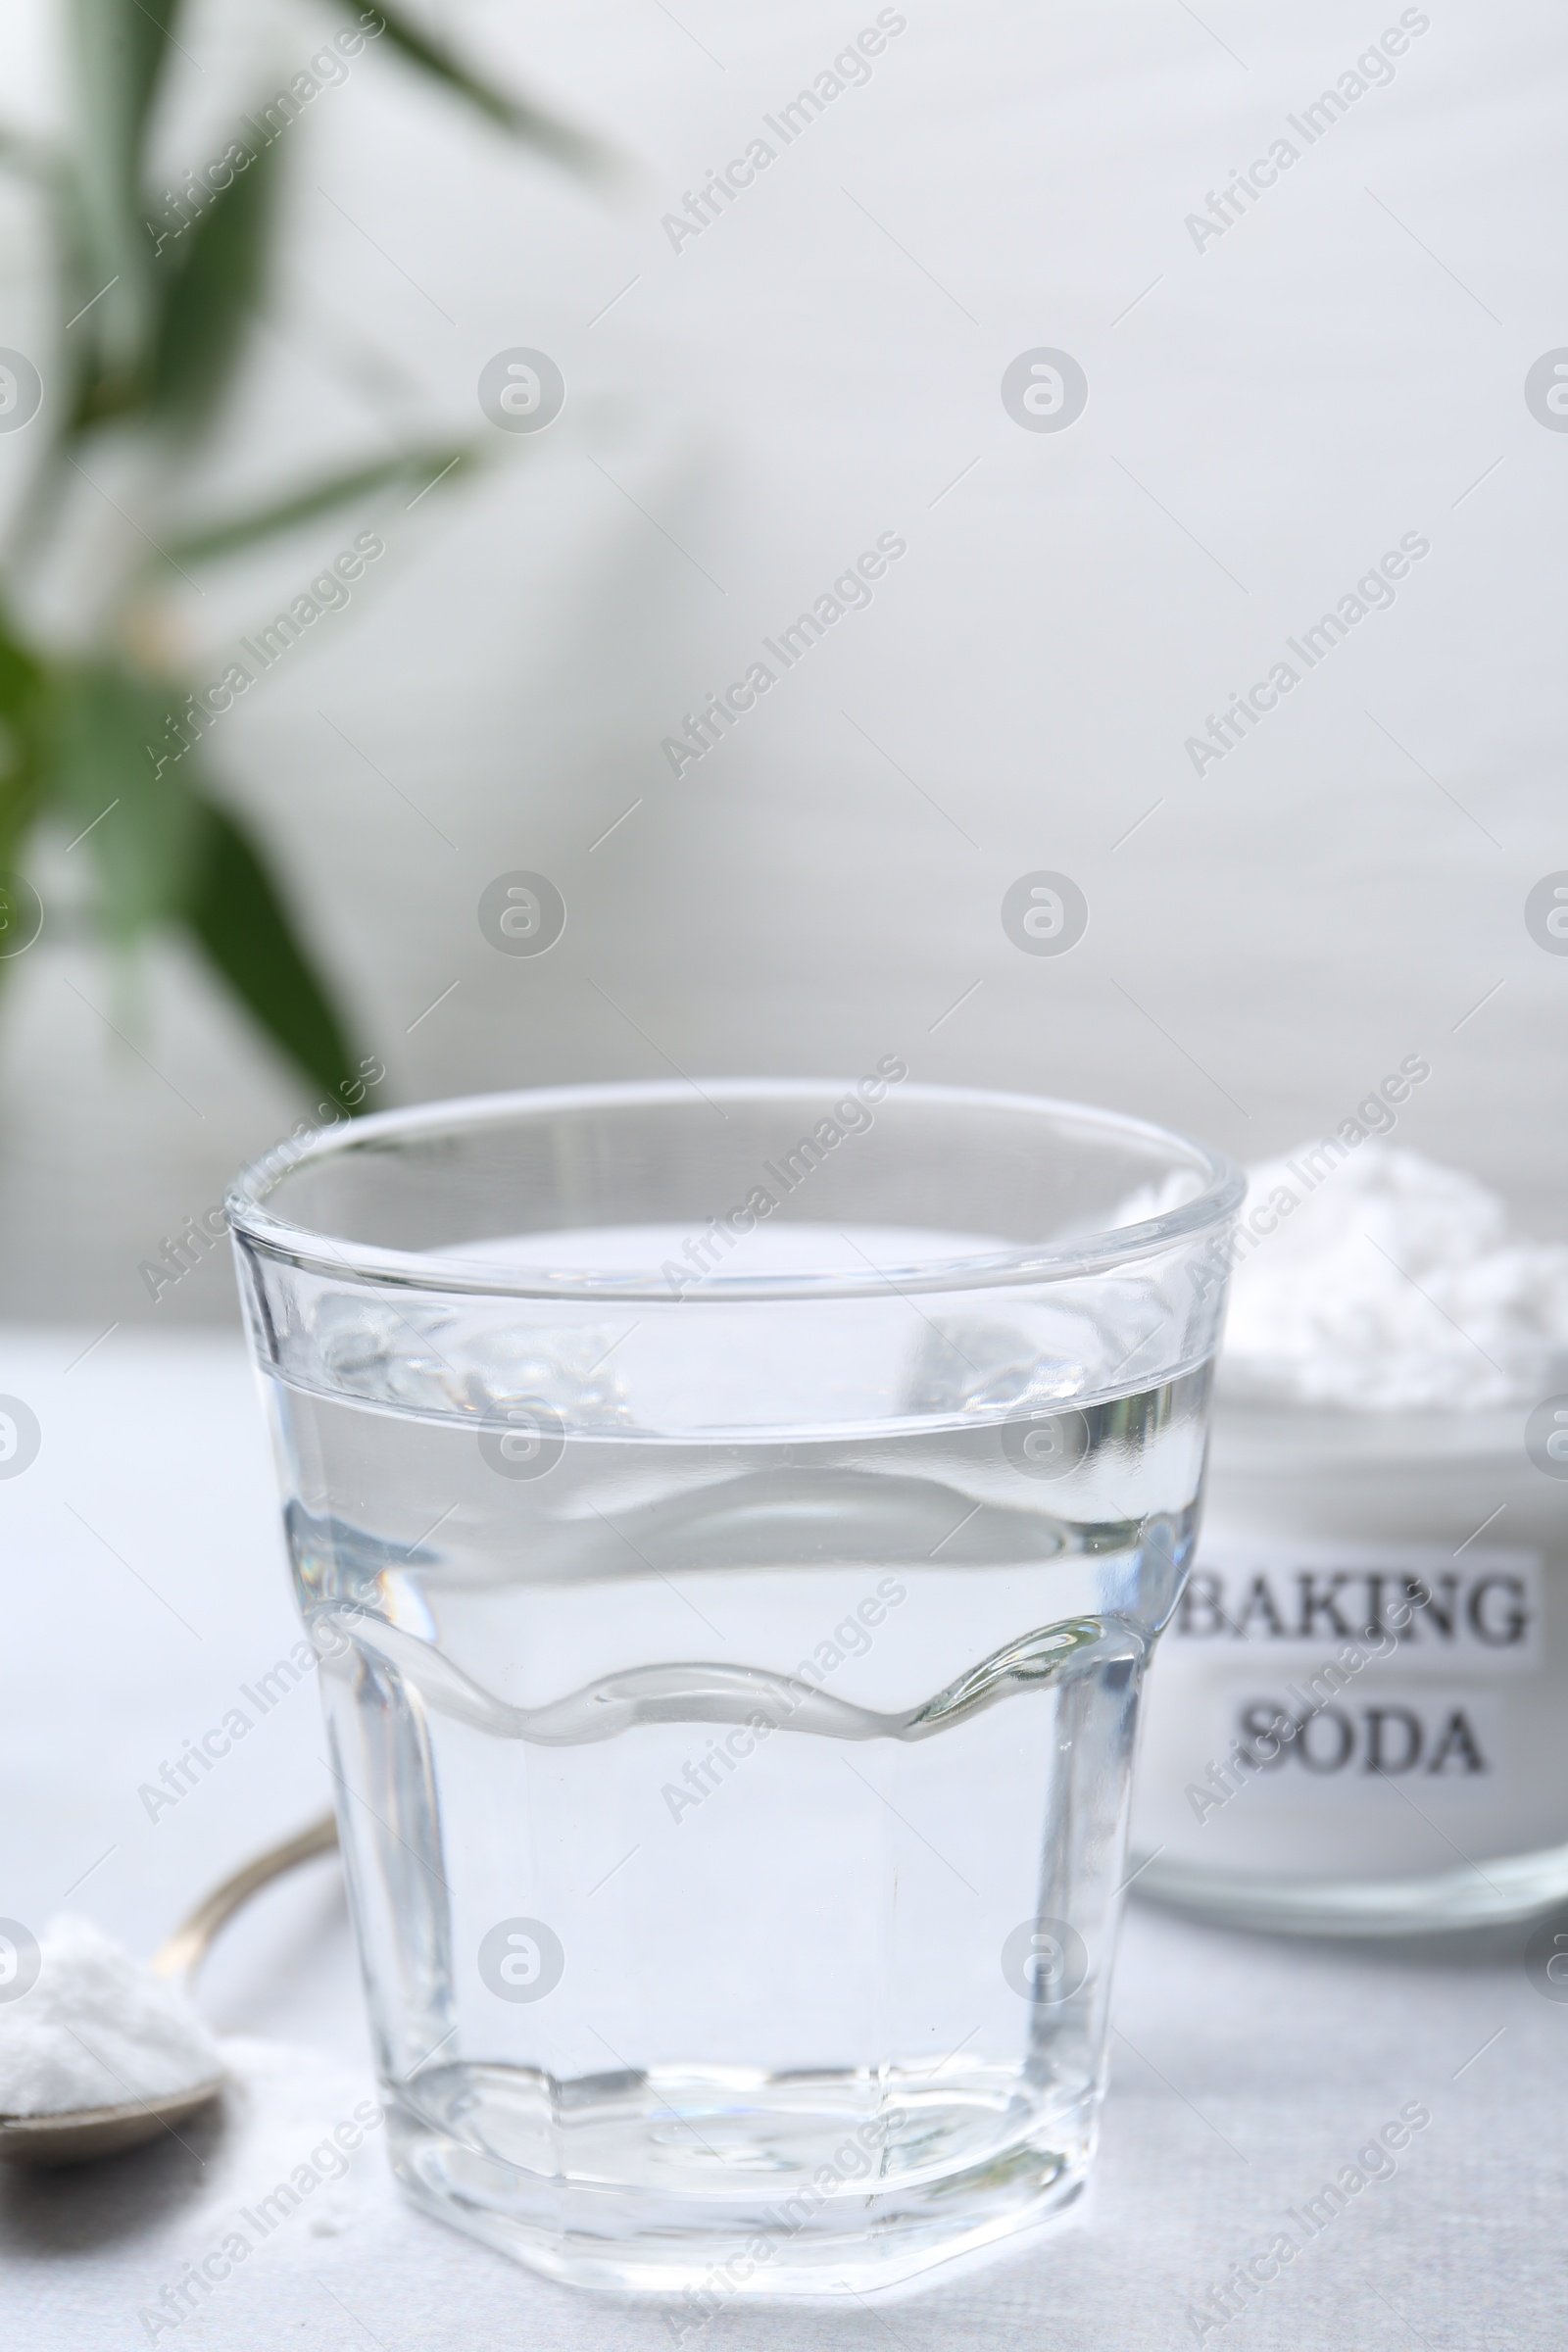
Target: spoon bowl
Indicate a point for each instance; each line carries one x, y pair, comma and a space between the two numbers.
80, 2132
42, 2140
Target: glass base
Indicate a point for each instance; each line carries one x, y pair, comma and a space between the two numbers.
1488, 1893
715, 2184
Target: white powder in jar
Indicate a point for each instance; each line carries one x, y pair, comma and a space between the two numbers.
1389, 1283
97, 2028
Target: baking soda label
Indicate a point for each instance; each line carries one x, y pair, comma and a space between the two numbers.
1419, 1609
1451, 1738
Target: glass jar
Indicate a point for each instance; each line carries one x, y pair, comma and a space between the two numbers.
1358, 1723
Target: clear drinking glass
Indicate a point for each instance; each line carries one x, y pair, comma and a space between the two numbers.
734, 1526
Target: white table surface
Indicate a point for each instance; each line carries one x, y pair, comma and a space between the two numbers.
143, 1581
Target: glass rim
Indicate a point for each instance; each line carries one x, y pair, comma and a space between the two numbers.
1222, 1191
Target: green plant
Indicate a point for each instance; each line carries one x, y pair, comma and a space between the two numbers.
154, 310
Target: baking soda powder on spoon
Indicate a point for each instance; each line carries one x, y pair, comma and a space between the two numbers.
83, 2026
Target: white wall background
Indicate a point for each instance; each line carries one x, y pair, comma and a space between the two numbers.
1266, 417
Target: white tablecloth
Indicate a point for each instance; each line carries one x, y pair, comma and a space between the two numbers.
143, 1582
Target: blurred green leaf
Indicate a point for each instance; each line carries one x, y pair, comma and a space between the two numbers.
519, 116
426, 465
115, 771
122, 770
22, 689
122, 48
244, 930
119, 52
21, 674
213, 278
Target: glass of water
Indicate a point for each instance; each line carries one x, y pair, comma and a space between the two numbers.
734, 1525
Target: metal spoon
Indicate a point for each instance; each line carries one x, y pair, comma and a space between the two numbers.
83, 2131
